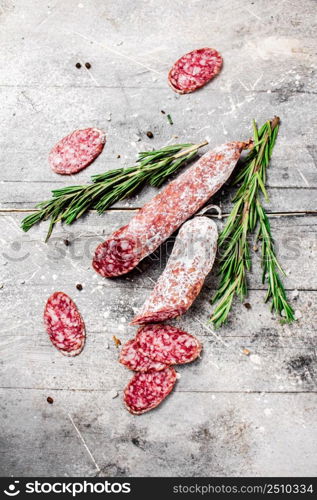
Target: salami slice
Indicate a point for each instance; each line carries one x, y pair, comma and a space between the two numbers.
64, 324
168, 344
133, 358
147, 390
194, 70
162, 215
191, 260
76, 151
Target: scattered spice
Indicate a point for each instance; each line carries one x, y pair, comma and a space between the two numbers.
116, 341
88, 65
78, 65
163, 112
50, 400
79, 286
170, 121
66, 242
247, 305
246, 352
118, 156
150, 134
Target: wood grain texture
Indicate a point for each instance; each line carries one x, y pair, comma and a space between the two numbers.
259, 434
27, 178
254, 414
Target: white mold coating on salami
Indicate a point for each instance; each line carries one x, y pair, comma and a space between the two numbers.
64, 324
134, 359
194, 70
147, 390
191, 260
168, 344
76, 151
165, 213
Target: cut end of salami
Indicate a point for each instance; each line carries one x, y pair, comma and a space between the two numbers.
135, 360
147, 390
194, 70
115, 256
168, 344
158, 316
64, 324
76, 151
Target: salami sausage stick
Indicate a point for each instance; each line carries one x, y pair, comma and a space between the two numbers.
165, 213
191, 260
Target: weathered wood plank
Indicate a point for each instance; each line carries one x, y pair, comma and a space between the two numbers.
50, 114
28, 258
263, 47
31, 362
33, 270
226, 435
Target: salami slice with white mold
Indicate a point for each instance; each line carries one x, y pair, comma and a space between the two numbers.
64, 324
76, 151
134, 359
194, 70
168, 344
147, 390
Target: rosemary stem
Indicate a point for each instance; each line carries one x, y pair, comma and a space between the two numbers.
70, 203
246, 216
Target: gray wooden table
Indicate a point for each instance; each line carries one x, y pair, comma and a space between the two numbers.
230, 414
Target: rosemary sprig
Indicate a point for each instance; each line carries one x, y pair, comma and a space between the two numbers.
70, 203
246, 215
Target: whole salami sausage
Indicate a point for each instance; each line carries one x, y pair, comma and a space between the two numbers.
134, 359
168, 344
76, 151
147, 390
162, 215
191, 260
64, 324
194, 70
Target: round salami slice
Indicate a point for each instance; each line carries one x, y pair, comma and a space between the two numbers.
133, 358
194, 70
147, 390
64, 324
168, 344
76, 151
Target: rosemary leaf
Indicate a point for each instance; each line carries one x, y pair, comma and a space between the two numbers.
70, 203
246, 216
